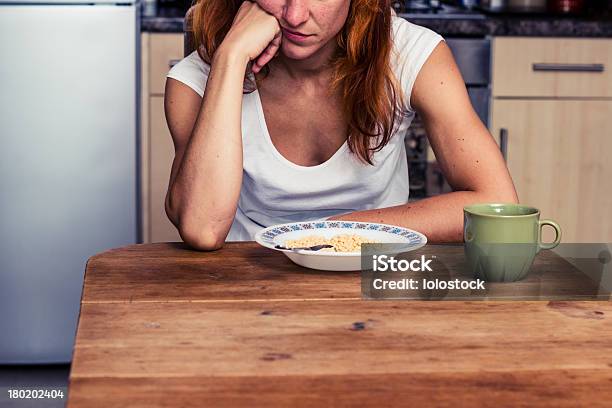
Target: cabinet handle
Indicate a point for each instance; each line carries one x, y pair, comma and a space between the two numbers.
503, 143
173, 62
568, 67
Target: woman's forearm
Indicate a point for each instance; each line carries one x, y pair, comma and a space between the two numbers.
205, 192
440, 218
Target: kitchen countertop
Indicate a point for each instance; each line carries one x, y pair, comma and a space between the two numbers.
165, 20
162, 325
461, 24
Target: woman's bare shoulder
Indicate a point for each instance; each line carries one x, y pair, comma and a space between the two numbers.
410, 38
191, 71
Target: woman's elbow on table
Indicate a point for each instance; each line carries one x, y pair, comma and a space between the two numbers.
195, 233
201, 238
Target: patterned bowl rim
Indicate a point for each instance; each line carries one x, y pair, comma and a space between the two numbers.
265, 237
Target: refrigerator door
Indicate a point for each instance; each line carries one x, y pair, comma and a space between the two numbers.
68, 165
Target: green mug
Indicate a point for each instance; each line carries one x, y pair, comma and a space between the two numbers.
502, 240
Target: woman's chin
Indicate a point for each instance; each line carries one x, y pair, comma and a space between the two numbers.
296, 52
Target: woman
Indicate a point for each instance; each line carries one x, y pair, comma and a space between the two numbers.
316, 128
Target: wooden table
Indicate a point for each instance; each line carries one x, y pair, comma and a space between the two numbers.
161, 325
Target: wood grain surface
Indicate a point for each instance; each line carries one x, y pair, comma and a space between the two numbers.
161, 325
247, 271
549, 388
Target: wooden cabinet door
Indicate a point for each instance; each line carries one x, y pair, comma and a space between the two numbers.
559, 158
161, 154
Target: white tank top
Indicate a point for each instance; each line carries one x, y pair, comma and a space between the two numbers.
275, 190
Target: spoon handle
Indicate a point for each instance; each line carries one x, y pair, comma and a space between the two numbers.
312, 248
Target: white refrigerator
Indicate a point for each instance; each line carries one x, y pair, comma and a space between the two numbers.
68, 162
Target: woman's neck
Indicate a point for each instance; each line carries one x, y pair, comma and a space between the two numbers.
313, 67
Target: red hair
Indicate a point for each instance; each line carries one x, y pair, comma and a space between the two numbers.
372, 100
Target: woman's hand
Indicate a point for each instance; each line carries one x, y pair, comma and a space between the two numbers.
255, 34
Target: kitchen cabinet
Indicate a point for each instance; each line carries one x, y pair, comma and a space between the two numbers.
558, 128
159, 52
552, 67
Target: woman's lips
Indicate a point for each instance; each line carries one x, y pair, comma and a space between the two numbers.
295, 36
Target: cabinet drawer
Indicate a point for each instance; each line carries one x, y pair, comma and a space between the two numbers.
165, 50
552, 67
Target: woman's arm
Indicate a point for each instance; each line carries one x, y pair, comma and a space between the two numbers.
206, 174
468, 155
207, 169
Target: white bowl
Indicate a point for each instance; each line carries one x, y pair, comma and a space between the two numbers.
336, 261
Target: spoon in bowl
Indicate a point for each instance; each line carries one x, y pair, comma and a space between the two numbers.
312, 248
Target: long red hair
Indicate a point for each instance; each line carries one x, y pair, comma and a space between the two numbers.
372, 100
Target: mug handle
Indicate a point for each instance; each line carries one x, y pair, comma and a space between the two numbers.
551, 245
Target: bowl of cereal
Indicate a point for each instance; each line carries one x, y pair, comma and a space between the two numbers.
345, 238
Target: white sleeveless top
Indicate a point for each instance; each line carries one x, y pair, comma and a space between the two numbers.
275, 190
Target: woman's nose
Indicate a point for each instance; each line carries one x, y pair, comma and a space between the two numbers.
296, 12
